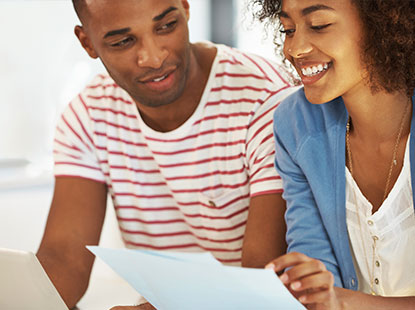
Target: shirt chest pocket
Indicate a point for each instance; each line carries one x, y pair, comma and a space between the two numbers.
229, 207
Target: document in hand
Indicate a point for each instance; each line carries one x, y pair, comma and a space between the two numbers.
197, 281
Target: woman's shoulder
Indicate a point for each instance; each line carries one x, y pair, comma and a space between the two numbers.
297, 115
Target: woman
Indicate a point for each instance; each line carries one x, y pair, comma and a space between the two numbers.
345, 150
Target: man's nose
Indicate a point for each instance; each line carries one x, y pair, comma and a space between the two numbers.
151, 54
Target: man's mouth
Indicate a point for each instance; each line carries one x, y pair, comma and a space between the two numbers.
159, 79
160, 82
155, 78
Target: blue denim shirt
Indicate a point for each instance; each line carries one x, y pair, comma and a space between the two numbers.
310, 157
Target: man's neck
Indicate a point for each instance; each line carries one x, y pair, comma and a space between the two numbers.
175, 114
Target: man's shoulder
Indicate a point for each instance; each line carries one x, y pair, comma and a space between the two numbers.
103, 89
101, 99
265, 71
101, 83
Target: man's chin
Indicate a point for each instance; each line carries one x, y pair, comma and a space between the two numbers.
156, 101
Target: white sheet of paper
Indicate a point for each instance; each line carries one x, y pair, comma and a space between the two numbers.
196, 281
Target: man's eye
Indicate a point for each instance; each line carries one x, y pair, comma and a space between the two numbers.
168, 26
122, 43
320, 27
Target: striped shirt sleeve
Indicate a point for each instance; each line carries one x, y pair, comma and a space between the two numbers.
260, 147
74, 150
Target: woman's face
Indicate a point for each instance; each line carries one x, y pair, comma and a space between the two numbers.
322, 41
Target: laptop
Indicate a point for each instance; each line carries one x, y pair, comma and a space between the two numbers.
24, 284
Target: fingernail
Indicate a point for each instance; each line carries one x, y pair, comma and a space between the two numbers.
302, 299
284, 278
270, 266
296, 285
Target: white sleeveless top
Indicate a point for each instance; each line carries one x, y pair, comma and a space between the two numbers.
391, 267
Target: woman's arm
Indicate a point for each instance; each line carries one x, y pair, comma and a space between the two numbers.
306, 232
357, 300
310, 282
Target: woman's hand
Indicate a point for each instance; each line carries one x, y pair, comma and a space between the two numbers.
307, 279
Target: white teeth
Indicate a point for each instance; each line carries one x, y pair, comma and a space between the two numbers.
310, 71
160, 79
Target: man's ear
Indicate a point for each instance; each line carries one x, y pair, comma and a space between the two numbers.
85, 41
186, 7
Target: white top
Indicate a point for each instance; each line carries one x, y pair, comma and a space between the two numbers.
393, 263
188, 189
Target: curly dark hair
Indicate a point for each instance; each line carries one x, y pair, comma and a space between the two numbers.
389, 39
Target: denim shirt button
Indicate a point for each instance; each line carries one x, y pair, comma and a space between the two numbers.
353, 282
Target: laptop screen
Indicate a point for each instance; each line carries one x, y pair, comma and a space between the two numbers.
24, 285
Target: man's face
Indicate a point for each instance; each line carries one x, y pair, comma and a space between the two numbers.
144, 45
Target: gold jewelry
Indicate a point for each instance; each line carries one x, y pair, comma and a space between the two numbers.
395, 150
393, 163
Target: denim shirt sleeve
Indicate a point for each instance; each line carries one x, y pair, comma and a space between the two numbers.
306, 232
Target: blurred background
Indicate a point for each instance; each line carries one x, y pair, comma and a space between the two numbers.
42, 67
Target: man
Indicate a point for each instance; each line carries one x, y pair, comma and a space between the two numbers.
180, 136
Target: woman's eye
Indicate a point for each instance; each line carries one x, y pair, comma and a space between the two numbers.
320, 27
287, 32
122, 43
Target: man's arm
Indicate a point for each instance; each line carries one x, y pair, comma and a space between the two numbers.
75, 219
265, 231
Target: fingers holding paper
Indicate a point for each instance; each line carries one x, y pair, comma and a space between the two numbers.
308, 279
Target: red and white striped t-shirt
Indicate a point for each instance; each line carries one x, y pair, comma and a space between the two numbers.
187, 189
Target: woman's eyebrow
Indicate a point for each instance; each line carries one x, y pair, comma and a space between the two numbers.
308, 10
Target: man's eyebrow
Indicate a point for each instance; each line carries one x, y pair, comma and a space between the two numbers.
116, 32
308, 10
162, 15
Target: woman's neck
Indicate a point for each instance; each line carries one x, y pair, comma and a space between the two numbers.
380, 125
377, 117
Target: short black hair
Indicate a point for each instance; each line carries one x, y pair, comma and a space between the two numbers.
79, 6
